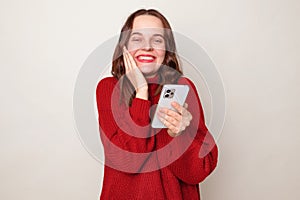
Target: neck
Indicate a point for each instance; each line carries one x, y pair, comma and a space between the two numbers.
152, 79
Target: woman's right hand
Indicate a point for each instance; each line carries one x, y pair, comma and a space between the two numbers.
135, 75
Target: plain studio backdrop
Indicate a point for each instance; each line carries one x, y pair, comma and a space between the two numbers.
254, 44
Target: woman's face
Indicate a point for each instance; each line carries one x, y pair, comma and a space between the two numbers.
147, 44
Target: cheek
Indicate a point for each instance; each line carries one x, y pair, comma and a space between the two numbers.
133, 46
132, 53
161, 54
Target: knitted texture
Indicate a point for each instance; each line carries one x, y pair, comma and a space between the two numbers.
146, 163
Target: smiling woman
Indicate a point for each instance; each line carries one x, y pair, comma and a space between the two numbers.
142, 162
147, 46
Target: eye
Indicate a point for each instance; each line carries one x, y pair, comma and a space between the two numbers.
136, 39
158, 40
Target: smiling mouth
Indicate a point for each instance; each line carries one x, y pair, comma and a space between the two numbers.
145, 58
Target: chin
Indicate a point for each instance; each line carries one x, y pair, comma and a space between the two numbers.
149, 73
147, 69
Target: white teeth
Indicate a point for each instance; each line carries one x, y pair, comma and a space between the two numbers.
145, 58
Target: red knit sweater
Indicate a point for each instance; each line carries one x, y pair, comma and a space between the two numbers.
146, 163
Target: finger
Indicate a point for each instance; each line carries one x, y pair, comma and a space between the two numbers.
171, 113
169, 119
169, 126
126, 59
171, 133
177, 107
179, 124
131, 60
190, 116
186, 105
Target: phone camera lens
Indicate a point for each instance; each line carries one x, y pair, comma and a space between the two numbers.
168, 91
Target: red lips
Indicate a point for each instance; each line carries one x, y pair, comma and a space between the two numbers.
145, 58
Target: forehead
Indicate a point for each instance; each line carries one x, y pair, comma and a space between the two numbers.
147, 24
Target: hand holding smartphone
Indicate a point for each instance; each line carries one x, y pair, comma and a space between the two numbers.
169, 94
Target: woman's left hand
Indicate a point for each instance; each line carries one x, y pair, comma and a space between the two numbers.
176, 121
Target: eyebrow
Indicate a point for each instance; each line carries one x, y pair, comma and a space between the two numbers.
157, 34
138, 33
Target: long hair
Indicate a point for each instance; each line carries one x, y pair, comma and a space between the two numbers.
168, 73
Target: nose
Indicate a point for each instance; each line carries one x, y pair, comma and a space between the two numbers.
147, 46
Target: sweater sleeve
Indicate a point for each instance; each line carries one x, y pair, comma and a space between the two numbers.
124, 131
200, 157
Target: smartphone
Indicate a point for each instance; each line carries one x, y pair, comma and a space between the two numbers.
169, 94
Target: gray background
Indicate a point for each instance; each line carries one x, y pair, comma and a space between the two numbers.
254, 44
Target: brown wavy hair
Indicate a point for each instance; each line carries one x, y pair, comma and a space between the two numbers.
168, 73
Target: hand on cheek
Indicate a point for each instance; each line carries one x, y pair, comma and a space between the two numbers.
135, 76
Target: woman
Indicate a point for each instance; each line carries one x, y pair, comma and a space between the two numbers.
142, 162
